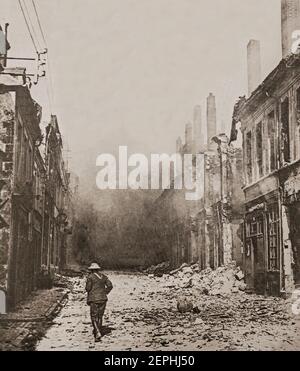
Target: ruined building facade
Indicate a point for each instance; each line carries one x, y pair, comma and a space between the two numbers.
250, 205
19, 133
56, 200
208, 230
271, 151
270, 130
33, 190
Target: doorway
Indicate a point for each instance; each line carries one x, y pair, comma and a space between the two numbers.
255, 254
295, 238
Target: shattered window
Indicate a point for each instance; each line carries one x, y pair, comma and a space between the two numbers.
285, 130
298, 125
25, 159
29, 165
271, 142
19, 151
298, 106
255, 227
249, 156
259, 149
273, 238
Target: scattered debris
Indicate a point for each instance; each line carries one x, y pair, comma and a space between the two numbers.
73, 273
235, 321
62, 281
184, 305
159, 270
199, 322
223, 281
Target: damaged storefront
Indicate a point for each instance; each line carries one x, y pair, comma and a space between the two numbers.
262, 255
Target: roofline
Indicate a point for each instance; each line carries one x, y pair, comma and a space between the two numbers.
291, 61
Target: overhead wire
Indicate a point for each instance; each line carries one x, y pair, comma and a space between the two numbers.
39, 22
28, 27
32, 26
49, 81
37, 45
50, 89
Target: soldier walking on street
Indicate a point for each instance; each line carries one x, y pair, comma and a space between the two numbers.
98, 286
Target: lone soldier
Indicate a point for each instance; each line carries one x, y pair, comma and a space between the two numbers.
98, 286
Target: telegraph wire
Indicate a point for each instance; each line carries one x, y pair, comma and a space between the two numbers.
49, 81
32, 26
39, 22
28, 27
49, 97
49, 77
50, 89
35, 40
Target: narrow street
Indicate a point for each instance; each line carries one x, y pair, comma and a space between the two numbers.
142, 315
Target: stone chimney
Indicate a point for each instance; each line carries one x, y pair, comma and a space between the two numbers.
198, 130
290, 22
211, 121
254, 65
189, 138
178, 145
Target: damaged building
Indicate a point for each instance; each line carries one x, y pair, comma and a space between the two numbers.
271, 149
218, 222
20, 132
251, 197
207, 230
33, 189
250, 207
56, 197
270, 128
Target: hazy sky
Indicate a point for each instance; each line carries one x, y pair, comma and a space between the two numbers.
129, 72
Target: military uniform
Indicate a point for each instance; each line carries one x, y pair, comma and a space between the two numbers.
98, 286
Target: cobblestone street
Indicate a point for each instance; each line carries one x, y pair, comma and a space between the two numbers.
142, 315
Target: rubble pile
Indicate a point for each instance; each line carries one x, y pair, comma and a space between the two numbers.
222, 281
159, 270
62, 281
72, 273
242, 310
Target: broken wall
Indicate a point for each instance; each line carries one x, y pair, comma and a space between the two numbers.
291, 229
236, 199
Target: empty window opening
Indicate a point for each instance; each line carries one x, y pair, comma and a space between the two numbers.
285, 122
259, 149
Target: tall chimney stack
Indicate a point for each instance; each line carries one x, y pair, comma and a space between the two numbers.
290, 22
189, 138
178, 145
198, 130
211, 121
254, 65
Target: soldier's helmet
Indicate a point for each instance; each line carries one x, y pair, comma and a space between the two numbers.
94, 267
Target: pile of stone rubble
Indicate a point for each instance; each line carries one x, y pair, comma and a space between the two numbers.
159, 270
222, 281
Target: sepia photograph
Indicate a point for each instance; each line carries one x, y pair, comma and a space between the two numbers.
149, 178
